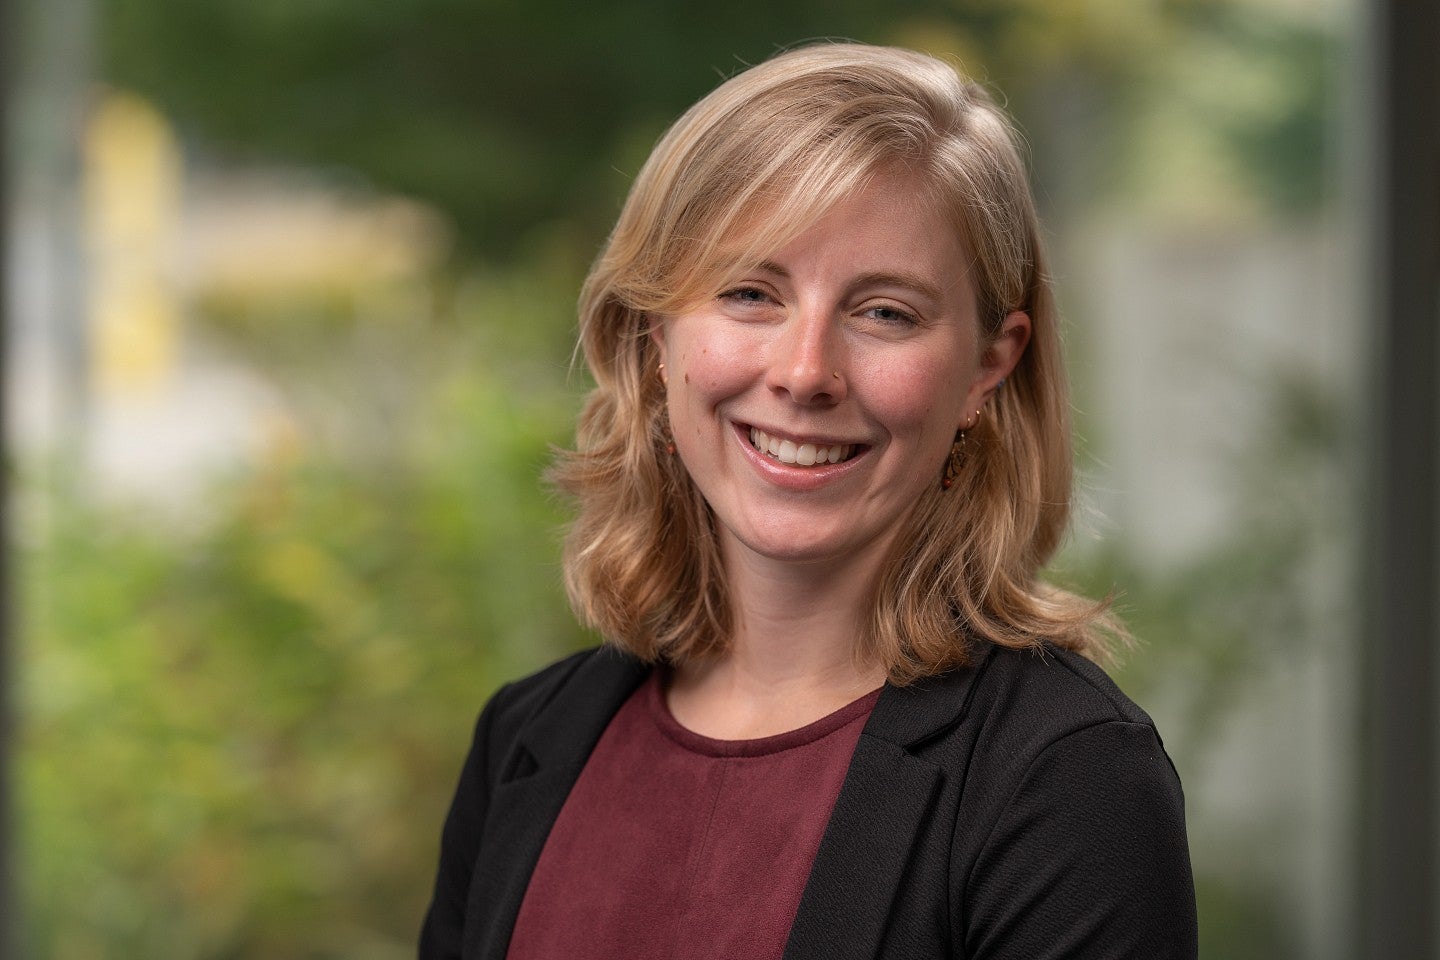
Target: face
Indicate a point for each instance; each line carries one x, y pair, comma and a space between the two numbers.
816, 398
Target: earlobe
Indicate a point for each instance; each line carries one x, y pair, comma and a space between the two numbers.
656, 332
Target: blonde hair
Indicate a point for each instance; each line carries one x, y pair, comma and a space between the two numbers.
740, 173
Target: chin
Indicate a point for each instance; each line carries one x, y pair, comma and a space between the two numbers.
800, 553
800, 543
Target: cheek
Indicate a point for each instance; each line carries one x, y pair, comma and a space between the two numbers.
923, 399
712, 365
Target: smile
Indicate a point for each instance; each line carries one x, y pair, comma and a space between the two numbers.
799, 454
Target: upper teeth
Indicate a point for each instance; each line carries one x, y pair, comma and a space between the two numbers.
805, 454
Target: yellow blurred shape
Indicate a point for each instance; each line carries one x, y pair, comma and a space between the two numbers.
132, 183
279, 242
312, 579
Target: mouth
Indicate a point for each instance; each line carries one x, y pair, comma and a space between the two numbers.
801, 453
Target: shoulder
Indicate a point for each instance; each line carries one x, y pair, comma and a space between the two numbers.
519, 699
1003, 708
1060, 813
1050, 726
1026, 700
1075, 814
558, 709
1007, 724
518, 702
1049, 718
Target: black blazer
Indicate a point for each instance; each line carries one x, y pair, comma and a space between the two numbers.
1021, 808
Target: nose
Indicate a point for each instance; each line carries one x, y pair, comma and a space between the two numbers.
807, 361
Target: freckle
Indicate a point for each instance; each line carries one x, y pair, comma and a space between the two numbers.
687, 378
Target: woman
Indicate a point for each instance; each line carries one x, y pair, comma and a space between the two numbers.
827, 453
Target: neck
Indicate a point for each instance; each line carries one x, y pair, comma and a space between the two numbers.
792, 658
793, 620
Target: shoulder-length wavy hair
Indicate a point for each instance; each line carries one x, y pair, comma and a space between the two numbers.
739, 174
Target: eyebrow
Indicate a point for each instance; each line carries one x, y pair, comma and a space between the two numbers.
878, 278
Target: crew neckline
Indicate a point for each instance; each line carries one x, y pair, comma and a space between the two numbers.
659, 711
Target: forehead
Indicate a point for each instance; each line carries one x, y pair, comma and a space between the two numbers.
890, 223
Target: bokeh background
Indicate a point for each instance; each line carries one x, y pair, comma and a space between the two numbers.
292, 295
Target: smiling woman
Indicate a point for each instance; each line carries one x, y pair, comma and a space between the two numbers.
838, 714
860, 335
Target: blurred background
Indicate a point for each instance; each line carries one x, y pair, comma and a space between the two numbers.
291, 296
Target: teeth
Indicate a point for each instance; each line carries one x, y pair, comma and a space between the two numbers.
804, 454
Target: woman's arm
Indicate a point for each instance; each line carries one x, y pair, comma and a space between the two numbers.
1088, 860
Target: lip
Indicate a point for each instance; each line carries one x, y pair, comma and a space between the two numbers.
794, 476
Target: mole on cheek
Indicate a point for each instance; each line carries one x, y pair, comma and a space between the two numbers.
687, 378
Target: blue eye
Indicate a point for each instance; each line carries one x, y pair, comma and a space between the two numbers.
892, 316
745, 295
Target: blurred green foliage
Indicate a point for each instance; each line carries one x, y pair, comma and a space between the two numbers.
241, 729
241, 723
506, 116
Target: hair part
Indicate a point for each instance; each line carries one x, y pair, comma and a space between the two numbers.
742, 172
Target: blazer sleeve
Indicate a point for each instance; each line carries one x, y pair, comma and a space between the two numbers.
1088, 860
444, 927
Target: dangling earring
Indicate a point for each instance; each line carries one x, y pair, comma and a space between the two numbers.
667, 439
665, 434
956, 460
952, 462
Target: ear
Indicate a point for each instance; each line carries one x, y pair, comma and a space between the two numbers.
999, 357
655, 330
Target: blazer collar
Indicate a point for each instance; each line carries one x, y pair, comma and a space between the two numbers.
882, 804
542, 766
908, 716
565, 730
885, 801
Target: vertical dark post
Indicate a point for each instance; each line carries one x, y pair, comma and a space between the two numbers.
8, 934
1399, 765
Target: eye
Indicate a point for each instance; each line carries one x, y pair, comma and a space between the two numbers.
891, 315
746, 295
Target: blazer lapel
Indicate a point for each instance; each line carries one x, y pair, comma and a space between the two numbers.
863, 854
867, 844
883, 803
543, 765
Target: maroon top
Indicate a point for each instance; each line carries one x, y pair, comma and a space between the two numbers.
673, 845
